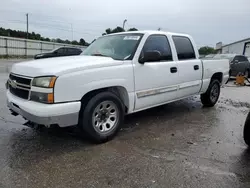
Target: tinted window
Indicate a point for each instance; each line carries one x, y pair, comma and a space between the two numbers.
237, 58
61, 50
184, 48
159, 43
72, 50
242, 58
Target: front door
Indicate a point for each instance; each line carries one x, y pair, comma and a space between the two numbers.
156, 82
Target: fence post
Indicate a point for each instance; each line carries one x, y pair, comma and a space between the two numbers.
26, 48
6, 47
41, 47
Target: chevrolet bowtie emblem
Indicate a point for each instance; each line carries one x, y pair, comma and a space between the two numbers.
13, 83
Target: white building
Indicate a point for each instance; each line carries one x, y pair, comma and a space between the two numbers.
238, 47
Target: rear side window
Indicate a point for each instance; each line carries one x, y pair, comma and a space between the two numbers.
71, 50
159, 43
184, 48
242, 58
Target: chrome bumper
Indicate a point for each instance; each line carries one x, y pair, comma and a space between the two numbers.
40, 113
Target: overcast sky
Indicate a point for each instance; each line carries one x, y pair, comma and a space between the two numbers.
207, 21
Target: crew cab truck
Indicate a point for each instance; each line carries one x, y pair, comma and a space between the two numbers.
118, 74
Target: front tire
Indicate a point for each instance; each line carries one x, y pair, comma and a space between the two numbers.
102, 117
212, 94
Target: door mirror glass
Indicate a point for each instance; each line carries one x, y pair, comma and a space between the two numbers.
150, 56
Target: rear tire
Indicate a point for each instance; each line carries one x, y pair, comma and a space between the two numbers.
246, 131
102, 117
212, 94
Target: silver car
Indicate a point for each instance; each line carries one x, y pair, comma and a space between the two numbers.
238, 63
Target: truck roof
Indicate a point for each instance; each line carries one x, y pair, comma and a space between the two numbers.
150, 32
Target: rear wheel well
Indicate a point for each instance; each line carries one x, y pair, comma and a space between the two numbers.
217, 76
120, 91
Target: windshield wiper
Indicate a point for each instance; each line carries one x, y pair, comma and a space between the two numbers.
97, 54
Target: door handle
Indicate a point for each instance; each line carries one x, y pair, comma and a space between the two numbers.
196, 67
173, 69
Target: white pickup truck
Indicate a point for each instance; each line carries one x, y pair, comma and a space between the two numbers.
118, 74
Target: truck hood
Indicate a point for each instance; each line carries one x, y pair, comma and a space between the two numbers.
62, 65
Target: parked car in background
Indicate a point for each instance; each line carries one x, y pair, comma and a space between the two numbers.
58, 52
238, 63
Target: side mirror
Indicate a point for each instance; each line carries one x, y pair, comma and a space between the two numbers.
150, 56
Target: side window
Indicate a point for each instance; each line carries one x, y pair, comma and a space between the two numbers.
236, 59
159, 43
61, 51
71, 51
242, 58
184, 48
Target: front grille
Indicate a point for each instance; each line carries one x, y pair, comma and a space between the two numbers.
20, 80
19, 86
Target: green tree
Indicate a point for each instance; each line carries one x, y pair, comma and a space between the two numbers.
82, 42
59, 40
67, 41
74, 42
133, 29
108, 31
118, 29
205, 50
36, 36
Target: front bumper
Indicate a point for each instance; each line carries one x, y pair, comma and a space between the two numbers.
63, 114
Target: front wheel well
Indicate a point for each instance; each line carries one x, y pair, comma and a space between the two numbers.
120, 91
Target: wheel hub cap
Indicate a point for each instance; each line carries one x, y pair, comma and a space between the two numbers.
214, 93
105, 117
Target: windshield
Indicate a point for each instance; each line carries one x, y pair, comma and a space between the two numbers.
119, 47
224, 56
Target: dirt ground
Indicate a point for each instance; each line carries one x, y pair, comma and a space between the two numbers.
177, 145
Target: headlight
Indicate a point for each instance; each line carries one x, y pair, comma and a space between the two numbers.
42, 97
47, 82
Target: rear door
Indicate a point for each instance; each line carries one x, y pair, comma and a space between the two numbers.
189, 66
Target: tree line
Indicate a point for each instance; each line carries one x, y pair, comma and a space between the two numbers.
205, 50
36, 36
